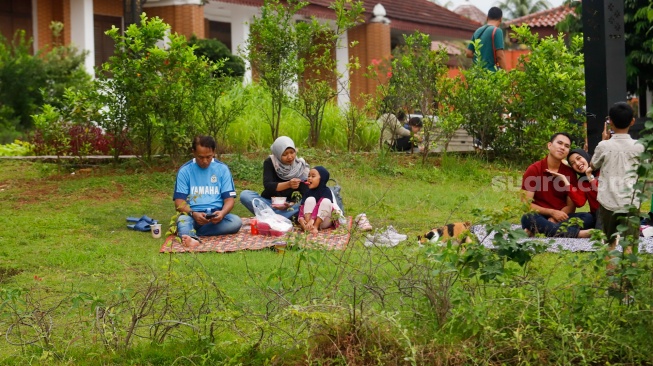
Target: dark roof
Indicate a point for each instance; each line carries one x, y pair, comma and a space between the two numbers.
405, 15
544, 18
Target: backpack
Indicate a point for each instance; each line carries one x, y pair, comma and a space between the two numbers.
335, 191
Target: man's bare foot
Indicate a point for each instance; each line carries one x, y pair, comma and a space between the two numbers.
529, 233
584, 234
188, 241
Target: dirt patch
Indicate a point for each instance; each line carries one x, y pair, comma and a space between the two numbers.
114, 192
8, 273
37, 190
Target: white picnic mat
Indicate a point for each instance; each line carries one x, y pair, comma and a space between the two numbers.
558, 244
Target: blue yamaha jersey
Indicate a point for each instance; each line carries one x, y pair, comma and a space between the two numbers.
204, 189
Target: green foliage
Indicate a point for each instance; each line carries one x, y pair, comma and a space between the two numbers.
638, 23
17, 148
481, 99
546, 94
216, 52
517, 112
513, 9
420, 82
318, 73
219, 104
274, 49
28, 81
158, 86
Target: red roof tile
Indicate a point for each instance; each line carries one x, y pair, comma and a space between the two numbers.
404, 15
544, 18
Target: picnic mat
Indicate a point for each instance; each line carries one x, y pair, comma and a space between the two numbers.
558, 244
330, 239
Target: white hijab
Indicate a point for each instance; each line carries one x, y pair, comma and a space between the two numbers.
298, 169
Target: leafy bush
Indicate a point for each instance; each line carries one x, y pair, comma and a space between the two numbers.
547, 92
28, 81
216, 52
16, 148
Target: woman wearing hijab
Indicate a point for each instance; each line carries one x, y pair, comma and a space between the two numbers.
587, 189
283, 175
318, 204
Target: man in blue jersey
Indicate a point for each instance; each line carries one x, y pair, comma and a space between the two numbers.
204, 194
491, 37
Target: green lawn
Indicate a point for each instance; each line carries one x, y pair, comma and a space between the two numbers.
65, 251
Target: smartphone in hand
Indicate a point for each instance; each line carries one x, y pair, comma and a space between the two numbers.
211, 215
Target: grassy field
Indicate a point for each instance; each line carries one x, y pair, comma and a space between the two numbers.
65, 220
65, 252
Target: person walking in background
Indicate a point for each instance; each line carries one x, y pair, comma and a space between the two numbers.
491, 39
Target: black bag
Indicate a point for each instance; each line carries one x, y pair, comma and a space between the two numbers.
335, 190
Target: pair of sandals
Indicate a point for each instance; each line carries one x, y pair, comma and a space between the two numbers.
140, 224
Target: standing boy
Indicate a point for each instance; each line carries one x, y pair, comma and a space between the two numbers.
618, 159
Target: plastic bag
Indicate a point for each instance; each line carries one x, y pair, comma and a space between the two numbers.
268, 220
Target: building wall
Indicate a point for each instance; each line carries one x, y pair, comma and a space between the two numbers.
372, 43
183, 19
48, 11
108, 7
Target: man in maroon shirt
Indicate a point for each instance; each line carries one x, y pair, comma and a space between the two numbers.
548, 194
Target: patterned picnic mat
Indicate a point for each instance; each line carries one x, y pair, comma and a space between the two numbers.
557, 244
330, 239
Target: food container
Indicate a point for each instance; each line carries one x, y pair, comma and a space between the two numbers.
265, 229
279, 202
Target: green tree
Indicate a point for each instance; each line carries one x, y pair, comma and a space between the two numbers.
638, 26
545, 94
154, 88
318, 74
513, 9
274, 49
417, 76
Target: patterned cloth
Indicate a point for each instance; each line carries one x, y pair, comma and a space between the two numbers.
330, 239
559, 244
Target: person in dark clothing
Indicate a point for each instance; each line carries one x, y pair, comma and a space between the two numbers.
283, 174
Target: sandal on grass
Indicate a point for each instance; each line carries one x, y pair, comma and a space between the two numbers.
141, 225
143, 218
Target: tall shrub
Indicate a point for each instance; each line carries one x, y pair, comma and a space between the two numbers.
418, 74
28, 81
546, 94
216, 51
318, 74
154, 87
481, 98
